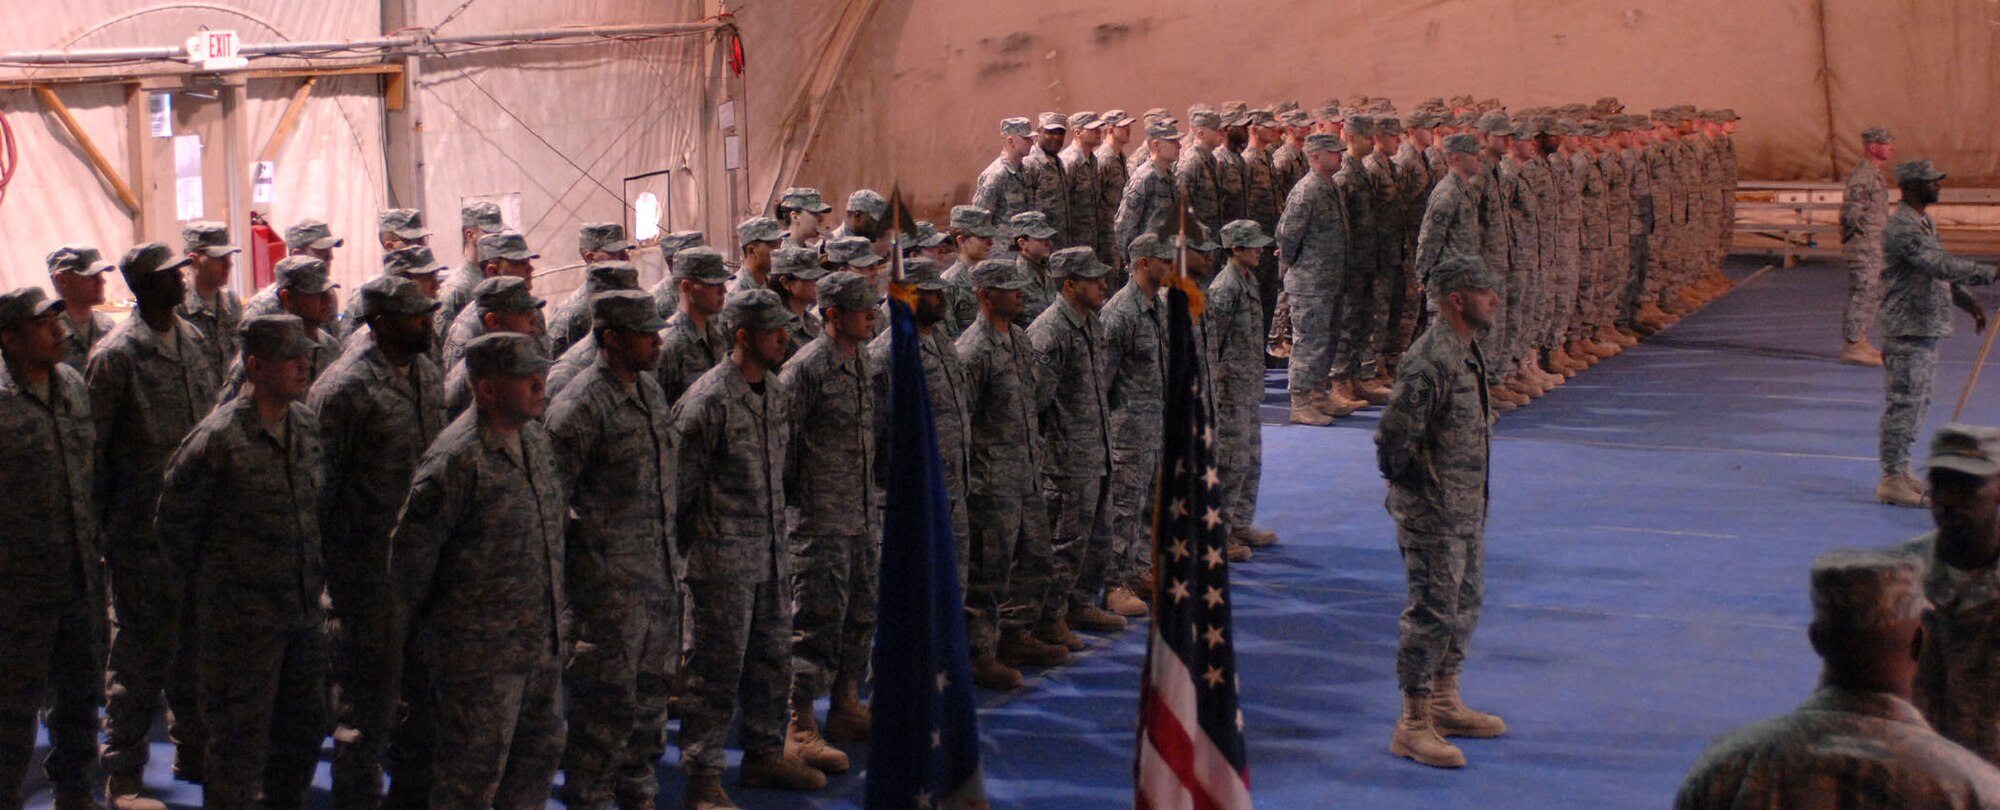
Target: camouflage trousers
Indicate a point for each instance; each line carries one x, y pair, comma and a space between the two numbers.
1612, 284
1864, 287
739, 657
1009, 568
1240, 454
619, 676
1446, 590
1909, 365
1355, 328
1401, 306
1270, 286
153, 642
1590, 270
1312, 318
1563, 278
55, 648
1634, 294
1280, 330
1079, 539
365, 686
1133, 472
264, 699
833, 582
500, 734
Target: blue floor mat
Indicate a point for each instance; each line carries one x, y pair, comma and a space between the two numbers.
1652, 523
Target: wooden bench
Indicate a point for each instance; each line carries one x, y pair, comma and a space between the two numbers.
1793, 219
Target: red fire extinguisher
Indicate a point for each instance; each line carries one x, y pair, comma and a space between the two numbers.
267, 248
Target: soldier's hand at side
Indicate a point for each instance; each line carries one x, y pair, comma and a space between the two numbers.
1963, 300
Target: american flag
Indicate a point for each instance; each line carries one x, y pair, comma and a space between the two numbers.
1190, 729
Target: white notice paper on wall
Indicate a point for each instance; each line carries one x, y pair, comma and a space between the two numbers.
187, 198
187, 156
161, 107
732, 152
263, 176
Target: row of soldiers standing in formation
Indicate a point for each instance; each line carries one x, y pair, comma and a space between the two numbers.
1604, 226
422, 521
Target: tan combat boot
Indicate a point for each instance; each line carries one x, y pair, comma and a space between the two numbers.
1122, 601
1859, 353
1305, 413
1018, 648
775, 769
989, 673
1373, 392
1895, 489
1095, 619
1330, 406
1254, 537
804, 743
1501, 402
1239, 552
1058, 633
1452, 718
704, 792
848, 720
122, 790
1343, 394
1415, 737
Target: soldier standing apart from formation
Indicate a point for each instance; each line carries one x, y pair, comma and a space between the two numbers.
1312, 244
1235, 326
51, 583
1864, 210
1434, 447
239, 517
1922, 281
1957, 688
1856, 743
734, 434
478, 558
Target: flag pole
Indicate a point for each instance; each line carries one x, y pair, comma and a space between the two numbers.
1973, 379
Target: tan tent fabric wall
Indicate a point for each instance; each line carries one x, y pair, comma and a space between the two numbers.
1930, 70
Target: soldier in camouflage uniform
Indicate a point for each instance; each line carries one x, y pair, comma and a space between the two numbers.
694, 341
1262, 199
1195, 174
1010, 556
211, 305
798, 211
307, 237
397, 229
499, 254
1451, 217
832, 512
76, 273
1617, 273
1313, 246
1393, 243
1034, 243
51, 583
572, 323
1048, 184
1003, 188
665, 293
378, 408
1496, 133
239, 517
1591, 241
1642, 319
1233, 324
973, 230
476, 221
1075, 419
304, 290
1526, 282
867, 217
944, 381
1111, 178
415, 263
1150, 201
1956, 687
1856, 742
478, 558
1135, 338
1667, 204
1231, 182
734, 438
1433, 446
1369, 219
612, 434
1864, 210
150, 382
760, 238
501, 304
1086, 190
1921, 282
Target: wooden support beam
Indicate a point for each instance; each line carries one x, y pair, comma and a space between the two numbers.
182, 76
289, 122
97, 159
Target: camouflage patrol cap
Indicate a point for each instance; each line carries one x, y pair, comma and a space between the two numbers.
1639, 121
974, 220
1285, 106
402, 223
1726, 115
1150, 246
1432, 103
305, 274
1465, 100
701, 263
1085, 120
311, 233
1235, 114
1031, 224
1464, 272
612, 275
505, 294
1052, 121
506, 245
1197, 238
1858, 589
799, 263
1709, 115
846, 291
393, 295
672, 244
1686, 112
1361, 125
209, 238
804, 199
1593, 128
1524, 129
415, 260
1381, 105
81, 260
1244, 233
1324, 142
997, 274
755, 309
1608, 105
1330, 110
1117, 118
1489, 105
928, 235
852, 251
1421, 118
26, 304
1663, 114
1295, 118
1495, 123
1078, 262
145, 259
608, 237
280, 336
1157, 113
1915, 170
1877, 135
505, 354
482, 216
626, 311
1163, 130
1574, 110
923, 273
759, 229
870, 202
1017, 127
1262, 117
1970, 449
1204, 118
1388, 125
